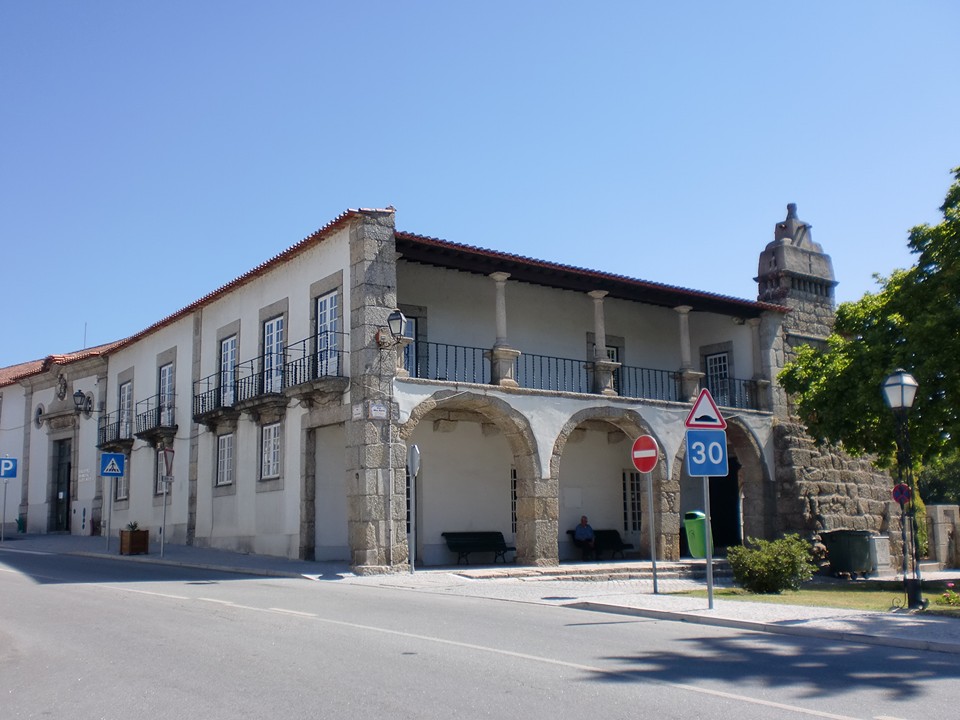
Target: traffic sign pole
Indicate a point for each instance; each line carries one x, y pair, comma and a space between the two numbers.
709, 541
644, 454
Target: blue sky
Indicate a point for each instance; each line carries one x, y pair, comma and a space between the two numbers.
153, 151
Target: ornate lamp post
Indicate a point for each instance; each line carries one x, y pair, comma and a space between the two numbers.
899, 391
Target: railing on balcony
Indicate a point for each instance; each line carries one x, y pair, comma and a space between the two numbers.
647, 383
542, 372
733, 393
314, 358
156, 412
440, 361
114, 428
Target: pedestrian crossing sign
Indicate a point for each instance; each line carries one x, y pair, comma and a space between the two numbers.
111, 464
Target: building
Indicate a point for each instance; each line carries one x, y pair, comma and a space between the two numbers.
291, 406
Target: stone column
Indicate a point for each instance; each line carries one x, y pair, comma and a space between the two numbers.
761, 383
689, 377
375, 457
603, 367
503, 358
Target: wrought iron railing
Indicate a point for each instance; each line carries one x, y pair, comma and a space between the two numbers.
214, 392
733, 393
320, 356
543, 372
441, 361
647, 383
156, 412
113, 428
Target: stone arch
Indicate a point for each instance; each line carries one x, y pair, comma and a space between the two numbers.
666, 489
755, 484
533, 492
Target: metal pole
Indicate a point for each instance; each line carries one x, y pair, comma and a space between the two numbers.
3, 518
109, 502
653, 531
709, 541
163, 526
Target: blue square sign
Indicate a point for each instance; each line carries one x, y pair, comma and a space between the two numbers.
112, 464
8, 467
707, 453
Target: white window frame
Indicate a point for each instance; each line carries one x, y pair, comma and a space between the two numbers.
125, 410
270, 451
273, 334
225, 459
717, 368
632, 492
121, 491
166, 394
328, 339
228, 370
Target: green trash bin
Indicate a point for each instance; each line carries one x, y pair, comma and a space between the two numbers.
848, 551
695, 524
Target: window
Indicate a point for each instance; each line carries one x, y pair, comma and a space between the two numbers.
631, 501
121, 488
225, 459
410, 351
328, 342
125, 410
165, 396
228, 370
718, 377
270, 451
273, 355
161, 473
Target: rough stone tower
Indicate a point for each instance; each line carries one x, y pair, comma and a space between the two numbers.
818, 488
794, 271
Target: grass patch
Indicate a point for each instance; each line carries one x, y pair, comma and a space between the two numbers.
873, 596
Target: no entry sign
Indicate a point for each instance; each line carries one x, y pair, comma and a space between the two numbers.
644, 453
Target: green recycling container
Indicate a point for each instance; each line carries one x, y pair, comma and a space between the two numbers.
695, 524
848, 551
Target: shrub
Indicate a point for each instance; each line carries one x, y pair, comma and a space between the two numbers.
771, 566
949, 597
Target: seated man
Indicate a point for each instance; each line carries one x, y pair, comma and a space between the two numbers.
583, 538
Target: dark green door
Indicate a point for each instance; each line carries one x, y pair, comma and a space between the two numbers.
61, 490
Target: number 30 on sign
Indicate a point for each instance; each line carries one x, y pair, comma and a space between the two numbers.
707, 453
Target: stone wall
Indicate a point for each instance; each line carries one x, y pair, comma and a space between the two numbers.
823, 489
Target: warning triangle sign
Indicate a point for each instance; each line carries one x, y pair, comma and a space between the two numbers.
705, 413
112, 468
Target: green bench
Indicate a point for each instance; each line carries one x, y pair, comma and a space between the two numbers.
464, 543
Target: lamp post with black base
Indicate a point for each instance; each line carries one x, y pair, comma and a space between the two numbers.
899, 392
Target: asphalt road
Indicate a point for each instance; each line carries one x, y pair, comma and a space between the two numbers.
93, 638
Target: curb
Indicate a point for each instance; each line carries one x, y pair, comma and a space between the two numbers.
813, 632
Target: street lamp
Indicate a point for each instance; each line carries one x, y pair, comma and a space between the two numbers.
899, 391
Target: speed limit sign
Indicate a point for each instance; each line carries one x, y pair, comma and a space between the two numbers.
707, 453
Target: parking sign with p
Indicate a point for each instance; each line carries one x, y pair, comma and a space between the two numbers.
8, 467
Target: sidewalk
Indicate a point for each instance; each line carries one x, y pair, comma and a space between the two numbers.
540, 586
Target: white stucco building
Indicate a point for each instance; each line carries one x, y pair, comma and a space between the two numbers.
522, 382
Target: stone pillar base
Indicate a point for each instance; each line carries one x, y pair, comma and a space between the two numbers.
603, 370
503, 363
690, 383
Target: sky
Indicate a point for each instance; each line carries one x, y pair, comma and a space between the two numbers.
151, 152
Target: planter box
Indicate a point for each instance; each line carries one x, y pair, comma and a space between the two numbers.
134, 542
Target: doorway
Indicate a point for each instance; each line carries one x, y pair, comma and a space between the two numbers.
62, 452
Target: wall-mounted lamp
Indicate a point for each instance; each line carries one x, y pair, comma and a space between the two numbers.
82, 403
396, 323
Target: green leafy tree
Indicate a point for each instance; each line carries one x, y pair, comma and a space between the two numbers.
913, 322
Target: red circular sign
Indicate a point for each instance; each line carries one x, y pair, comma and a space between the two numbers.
645, 453
901, 493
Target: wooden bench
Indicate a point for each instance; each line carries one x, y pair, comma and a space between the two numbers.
604, 540
464, 543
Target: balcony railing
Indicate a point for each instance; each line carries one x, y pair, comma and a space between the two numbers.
733, 393
314, 358
114, 428
542, 372
647, 383
156, 412
440, 361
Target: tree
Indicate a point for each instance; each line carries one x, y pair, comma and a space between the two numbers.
913, 322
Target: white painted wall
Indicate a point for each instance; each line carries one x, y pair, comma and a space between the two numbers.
12, 414
464, 484
332, 508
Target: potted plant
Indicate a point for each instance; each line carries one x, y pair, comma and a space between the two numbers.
134, 541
